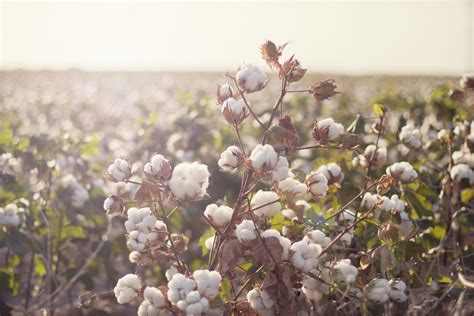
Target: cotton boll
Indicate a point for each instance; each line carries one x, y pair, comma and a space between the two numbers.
344, 272
346, 217
346, 239
224, 91
410, 136
153, 303
9, 215
318, 237
377, 290
159, 168
332, 172
189, 180
170, 272
327, 131
397, 291
369, 200
120, 170
141, 219
317, 184
127, 288
235, 111
246, 231
265, 203
78, 195
281, 170
209, 242
379, 158
250, 78
230, 158
284, 242
304, 254
402, 171
260, 300
178, 288
460, 172
137, 240
315, 289
218, 215
208, 283
263, 158
292, 189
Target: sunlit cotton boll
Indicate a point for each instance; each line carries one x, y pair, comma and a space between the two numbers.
127, 288
265, 203
393, 203
229, 159
189, 180
460, 172
318, 237
208, 283
317, 184
327, 130
332, 172
170, 272
120, 170
263, 158
250, 78
9, 215
137, 240
209, 242
234, 111
304, 254
153, 303
141, 219
246, 231
379, 158
260, 300
402, 171
194, 304
369, 200
159, 167
224, 91
218, 215
179, 287
344, 272
410, 136
292, 189
377, 290
281, 170
397, 291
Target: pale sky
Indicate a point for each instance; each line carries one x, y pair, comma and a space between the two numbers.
348, 37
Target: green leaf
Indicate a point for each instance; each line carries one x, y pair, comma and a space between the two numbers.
40, 269
6, 136
419, 203
467, 195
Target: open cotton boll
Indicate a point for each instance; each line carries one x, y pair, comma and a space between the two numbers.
235, 111
327, 130
170, 272
218, 215
380, 157
120, 170
346, 239
209, 242
263, 158
317, 184
402, 171
292, 189
305, 254
265, 203
141, 219
79, 195
332, 172
158, 168
250, 78
397, 291
260, 300
410, 136
179, 287
246, 231
137, 240
153, 303
369, 200
224, 91
377, 290
127, 288
230, 158
344, 272
189, 180
313, 288
9, 215
318, 237
460, 172
208, 283
281, 170
347, 216
284, 242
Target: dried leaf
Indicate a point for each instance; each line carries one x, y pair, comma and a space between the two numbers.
262, 250
229, 255
350, 141
324, 90
290, 135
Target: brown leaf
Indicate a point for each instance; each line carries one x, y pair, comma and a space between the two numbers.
290, 135
350, 141
271, 53
230, 254
324, 90
292, 70
267, 249
384, 184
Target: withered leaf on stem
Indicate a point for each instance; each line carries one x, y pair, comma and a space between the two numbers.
290, 135
261, 252
278, 285
230, 254
324, 90
350, 141
384, 184
144, 193
271, 53
292, 70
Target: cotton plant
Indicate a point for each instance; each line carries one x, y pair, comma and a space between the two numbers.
292, 236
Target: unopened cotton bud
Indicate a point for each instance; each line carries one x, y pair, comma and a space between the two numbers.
224, 91
332, 172
317, 184
159, 168
327, 130
265, 203
402, 171
230, 158
234, 111
218, 215
250, 78
120, 170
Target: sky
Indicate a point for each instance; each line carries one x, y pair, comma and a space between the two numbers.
348, 37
